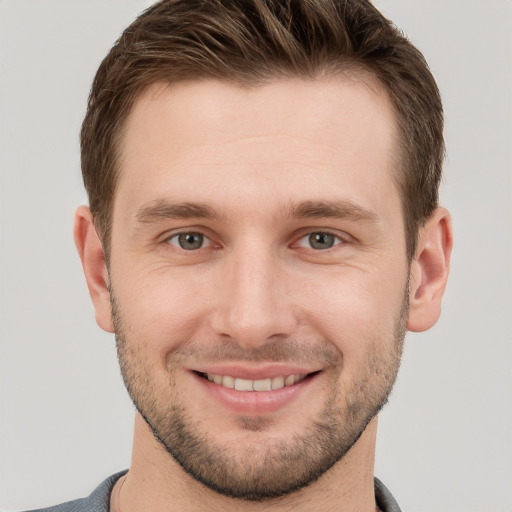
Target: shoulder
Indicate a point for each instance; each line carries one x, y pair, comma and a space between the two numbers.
98, 501
384, 498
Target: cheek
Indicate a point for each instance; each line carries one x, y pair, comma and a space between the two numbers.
356, 311
161, 307
351, 307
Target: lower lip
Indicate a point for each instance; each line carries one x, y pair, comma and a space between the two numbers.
255, 402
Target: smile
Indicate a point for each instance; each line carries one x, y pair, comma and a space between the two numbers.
239, 384
258, 390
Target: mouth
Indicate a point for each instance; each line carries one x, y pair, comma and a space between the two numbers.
270, 384
255, 391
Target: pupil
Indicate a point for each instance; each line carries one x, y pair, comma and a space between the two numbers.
321, 240
191, 240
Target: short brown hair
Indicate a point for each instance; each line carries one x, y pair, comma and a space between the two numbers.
252, 42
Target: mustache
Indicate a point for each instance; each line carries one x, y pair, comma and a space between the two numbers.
278, 349
274, 351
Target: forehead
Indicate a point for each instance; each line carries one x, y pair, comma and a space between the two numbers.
207, 140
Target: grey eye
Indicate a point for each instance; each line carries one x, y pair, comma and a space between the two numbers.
188, 241
322, 241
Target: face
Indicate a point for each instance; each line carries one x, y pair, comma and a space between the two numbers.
258, 274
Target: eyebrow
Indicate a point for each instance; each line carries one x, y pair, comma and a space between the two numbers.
342, 209
163, 210
160, 210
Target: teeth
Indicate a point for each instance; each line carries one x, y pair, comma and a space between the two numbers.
228, 382
255, 385
243, 385
278, 382
289, 380
262, 385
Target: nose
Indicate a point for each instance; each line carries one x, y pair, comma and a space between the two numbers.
253, 303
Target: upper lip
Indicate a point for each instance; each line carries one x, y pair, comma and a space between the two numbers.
243, 371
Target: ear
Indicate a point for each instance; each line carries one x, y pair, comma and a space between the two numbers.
429, 271
92, 256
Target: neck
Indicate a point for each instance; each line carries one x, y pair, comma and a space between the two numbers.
157, 482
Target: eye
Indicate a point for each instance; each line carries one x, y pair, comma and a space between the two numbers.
319, 240
189, 241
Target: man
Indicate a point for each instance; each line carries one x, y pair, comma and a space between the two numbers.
263, 229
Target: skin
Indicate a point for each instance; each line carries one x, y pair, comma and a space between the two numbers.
274, 164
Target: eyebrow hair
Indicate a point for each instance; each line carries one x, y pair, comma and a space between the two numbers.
332, 209
162, 210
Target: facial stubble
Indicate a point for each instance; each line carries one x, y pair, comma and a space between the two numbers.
271, 468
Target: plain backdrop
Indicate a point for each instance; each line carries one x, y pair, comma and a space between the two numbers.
65, 419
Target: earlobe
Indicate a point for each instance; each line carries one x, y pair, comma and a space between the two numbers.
429, 271
93, 260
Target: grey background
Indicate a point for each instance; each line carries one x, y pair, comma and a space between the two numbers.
65, 420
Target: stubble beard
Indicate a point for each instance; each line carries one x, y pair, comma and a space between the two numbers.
273, 467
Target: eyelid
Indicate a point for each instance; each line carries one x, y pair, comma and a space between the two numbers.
341, 238
302, 241
167, 237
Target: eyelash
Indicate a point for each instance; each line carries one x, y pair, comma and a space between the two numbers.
206, 242
177, 236
336, 240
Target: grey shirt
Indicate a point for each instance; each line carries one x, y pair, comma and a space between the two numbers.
99, 500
